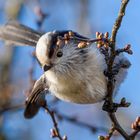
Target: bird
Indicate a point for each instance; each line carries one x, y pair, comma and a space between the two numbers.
71, 73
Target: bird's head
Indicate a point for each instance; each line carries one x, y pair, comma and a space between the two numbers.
50, 53
47, 50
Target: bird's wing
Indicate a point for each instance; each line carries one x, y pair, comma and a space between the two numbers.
36, 99
18, 34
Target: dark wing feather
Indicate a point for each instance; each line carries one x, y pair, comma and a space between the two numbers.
19, 34
36, 99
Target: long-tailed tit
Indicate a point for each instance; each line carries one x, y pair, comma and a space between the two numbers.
70, 73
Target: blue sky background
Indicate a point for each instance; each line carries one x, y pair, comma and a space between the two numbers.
65, 14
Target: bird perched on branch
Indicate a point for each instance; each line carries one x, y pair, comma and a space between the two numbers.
73, 66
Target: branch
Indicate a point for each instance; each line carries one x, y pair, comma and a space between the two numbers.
55, 131
134, 133
110, 85
117, 126
118, 21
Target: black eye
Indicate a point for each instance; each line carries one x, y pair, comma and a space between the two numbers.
59, 54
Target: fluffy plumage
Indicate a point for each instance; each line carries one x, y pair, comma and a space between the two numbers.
75, 75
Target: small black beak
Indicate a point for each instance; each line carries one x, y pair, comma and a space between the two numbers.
47, 67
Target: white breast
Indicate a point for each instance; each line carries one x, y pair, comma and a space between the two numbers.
86, 84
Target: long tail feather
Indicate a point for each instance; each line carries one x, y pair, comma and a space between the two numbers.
19, 34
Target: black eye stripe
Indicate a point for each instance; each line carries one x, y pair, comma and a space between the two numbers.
51, 52
52, 45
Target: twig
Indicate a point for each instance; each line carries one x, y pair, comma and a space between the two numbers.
134, 133
118, 21
111, 131
115, 29
55, 131
117, 126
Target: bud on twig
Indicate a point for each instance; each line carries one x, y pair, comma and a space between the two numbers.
54, 133
82, 45
136, 124
101, 138
65, 137
127, 49
106, 35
